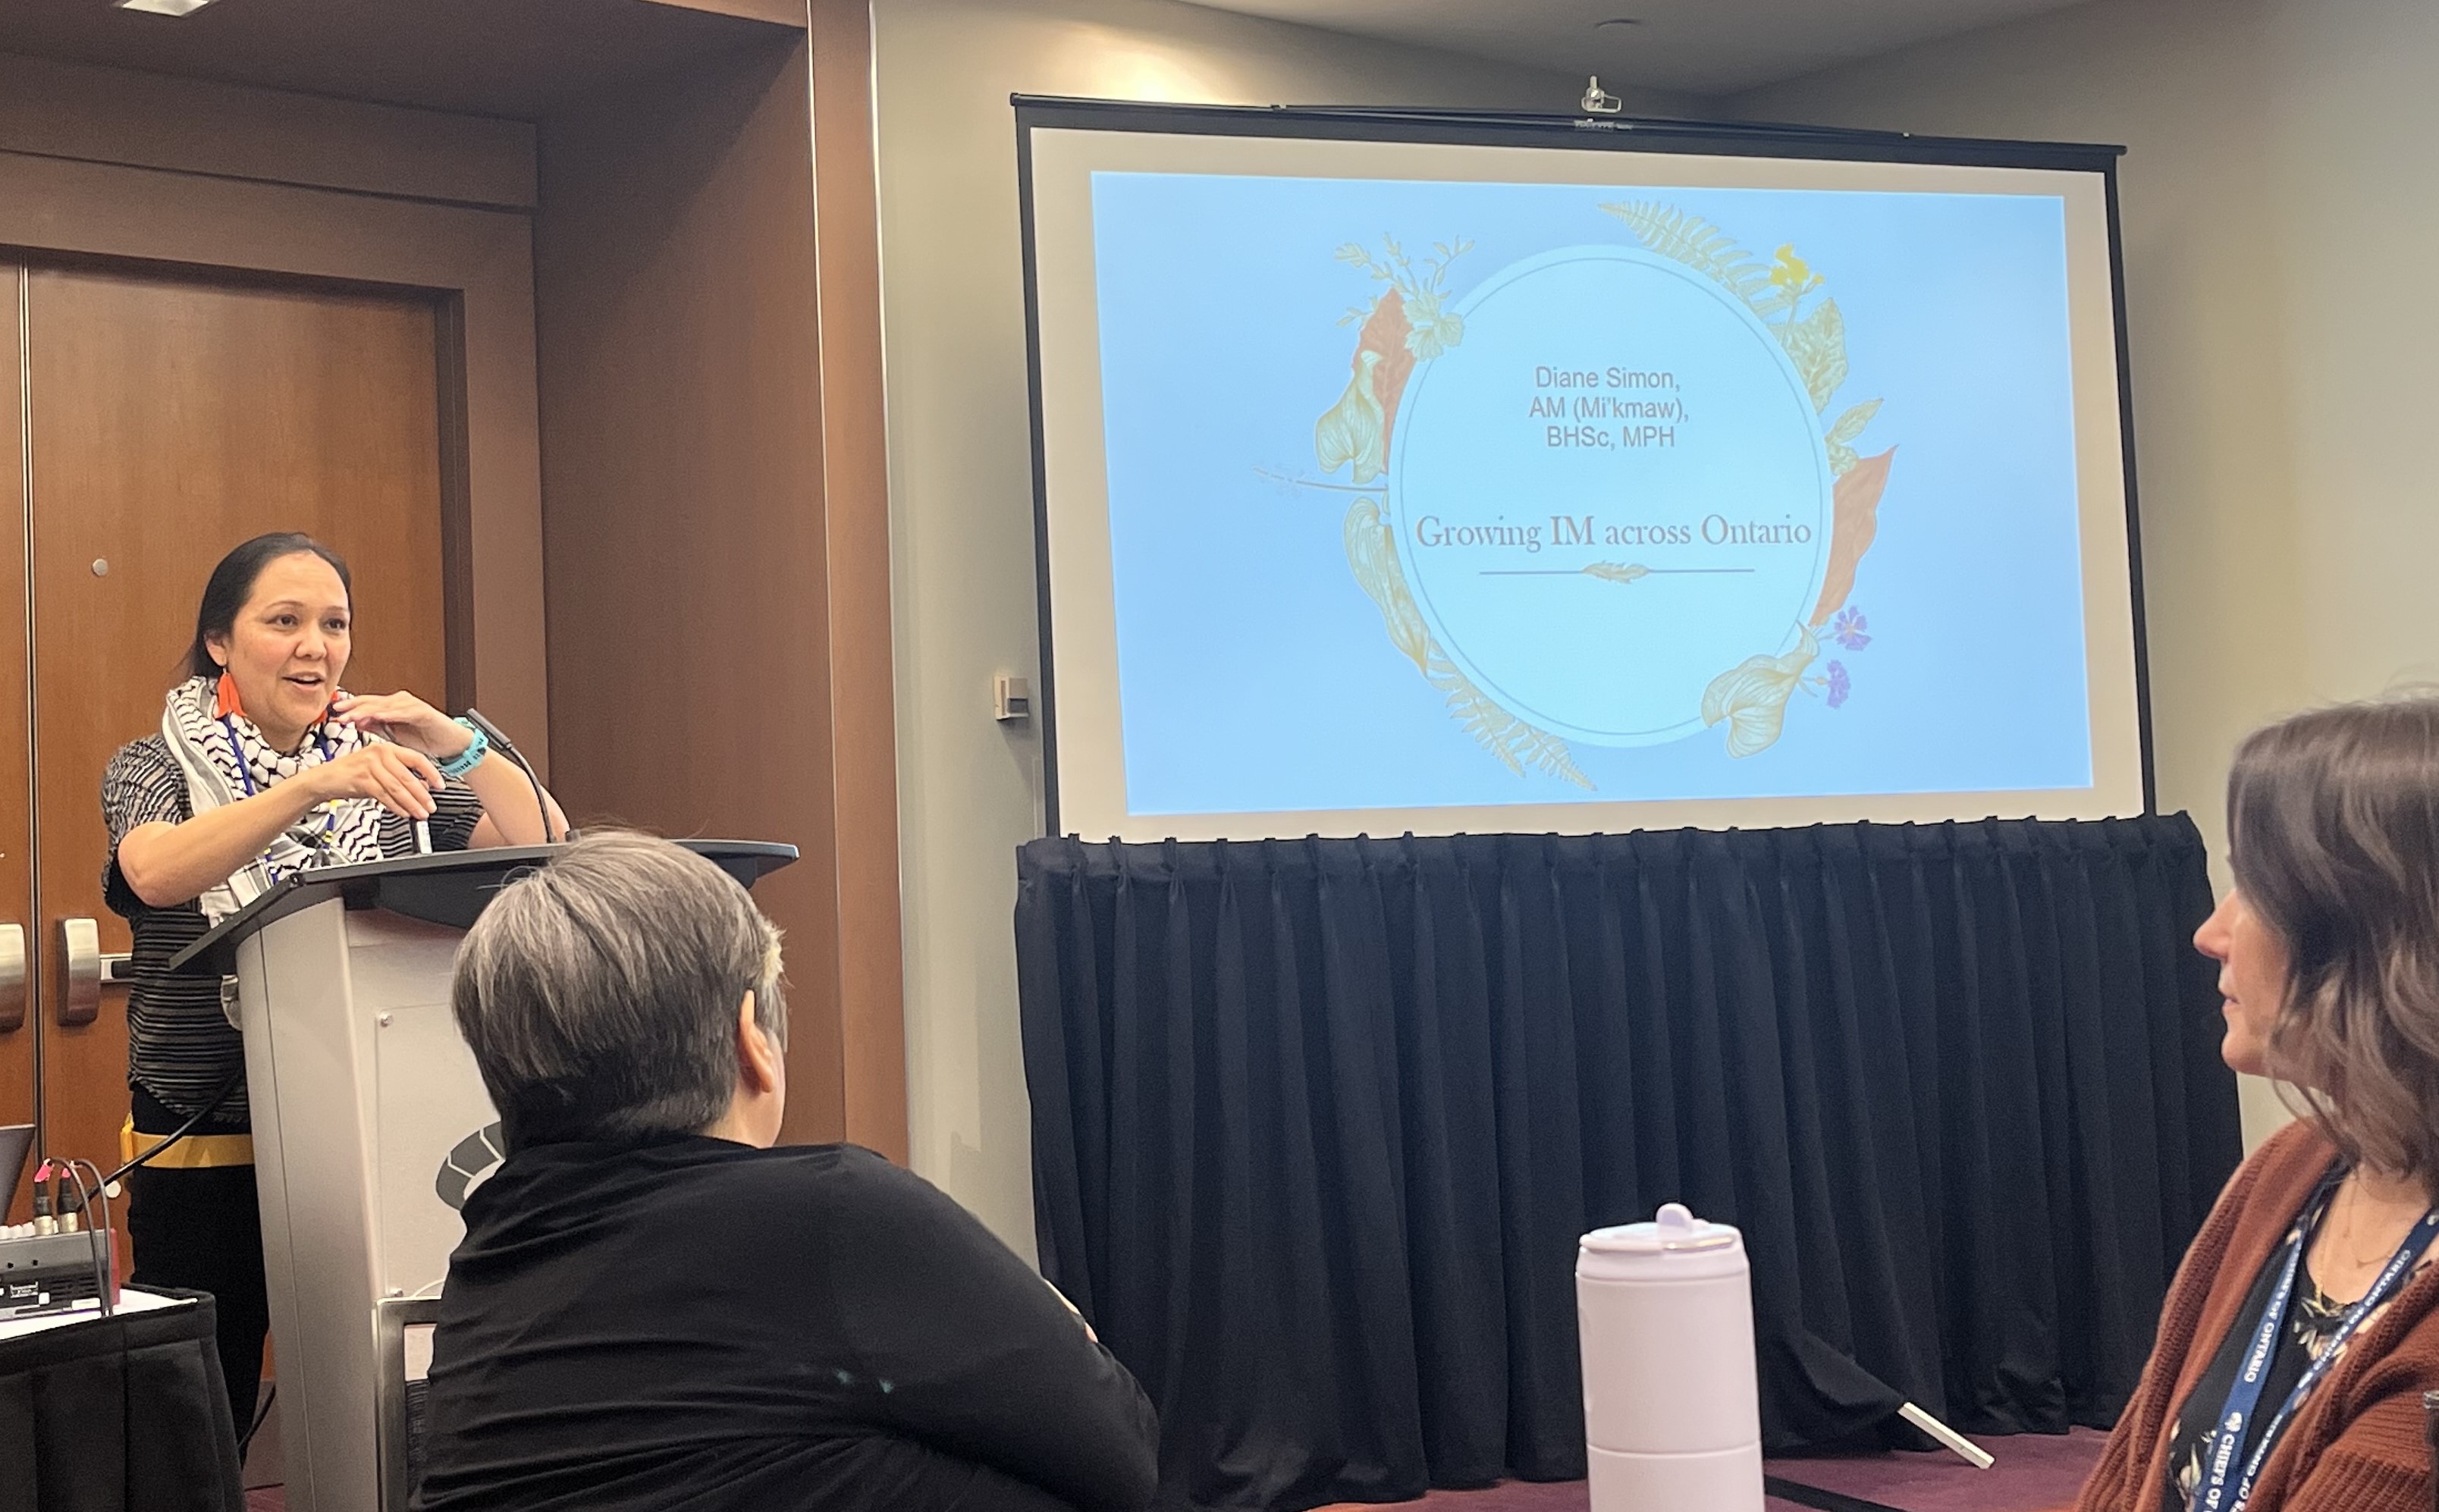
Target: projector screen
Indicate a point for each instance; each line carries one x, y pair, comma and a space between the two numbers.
1444, 475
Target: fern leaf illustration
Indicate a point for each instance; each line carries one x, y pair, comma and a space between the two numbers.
1817, 342
1517, 744
1700, 245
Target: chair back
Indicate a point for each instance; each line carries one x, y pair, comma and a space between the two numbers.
403, 1328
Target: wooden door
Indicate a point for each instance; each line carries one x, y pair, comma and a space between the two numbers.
17, 1001
169, 419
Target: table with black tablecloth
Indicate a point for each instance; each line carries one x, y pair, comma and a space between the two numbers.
127, 1411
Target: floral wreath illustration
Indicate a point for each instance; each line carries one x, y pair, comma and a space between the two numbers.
1408, 322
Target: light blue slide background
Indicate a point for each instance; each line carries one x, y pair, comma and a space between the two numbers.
1254, 674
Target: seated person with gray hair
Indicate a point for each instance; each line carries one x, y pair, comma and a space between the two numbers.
654, 1308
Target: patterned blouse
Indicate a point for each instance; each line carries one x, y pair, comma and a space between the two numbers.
2312, 1322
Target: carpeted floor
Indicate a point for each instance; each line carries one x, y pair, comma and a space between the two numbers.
2035, 1473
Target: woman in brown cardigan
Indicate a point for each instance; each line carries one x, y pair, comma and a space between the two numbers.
2303, 1325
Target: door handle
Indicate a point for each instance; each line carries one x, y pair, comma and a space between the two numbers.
12, 977
80, 971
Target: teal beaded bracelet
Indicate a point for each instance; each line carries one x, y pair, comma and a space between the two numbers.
468, 759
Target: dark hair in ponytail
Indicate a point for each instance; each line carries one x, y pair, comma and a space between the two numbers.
232, 584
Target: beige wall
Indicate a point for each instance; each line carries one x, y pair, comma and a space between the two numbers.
2275, 192
961, 474
677, 276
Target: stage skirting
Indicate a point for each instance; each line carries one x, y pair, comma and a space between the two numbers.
1316, 1124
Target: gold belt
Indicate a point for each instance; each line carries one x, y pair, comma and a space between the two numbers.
193, 1153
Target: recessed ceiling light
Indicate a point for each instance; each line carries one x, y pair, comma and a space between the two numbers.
1618, 21
163, 7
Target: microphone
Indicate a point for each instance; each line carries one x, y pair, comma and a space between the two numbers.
506, 747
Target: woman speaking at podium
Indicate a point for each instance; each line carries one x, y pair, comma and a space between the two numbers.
261, 768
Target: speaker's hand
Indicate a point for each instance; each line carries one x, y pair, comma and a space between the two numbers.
407, 720
400, 779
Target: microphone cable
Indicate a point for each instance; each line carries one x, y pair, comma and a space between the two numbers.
261, 1415
220, 1095
506, 747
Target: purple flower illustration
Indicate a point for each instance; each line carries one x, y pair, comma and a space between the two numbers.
1839, 685
1847, 630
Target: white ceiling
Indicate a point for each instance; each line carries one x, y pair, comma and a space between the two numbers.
1692, 46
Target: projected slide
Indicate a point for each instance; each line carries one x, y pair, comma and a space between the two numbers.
1435, 495
1550, 492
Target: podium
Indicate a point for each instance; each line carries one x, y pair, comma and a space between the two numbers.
370, 1127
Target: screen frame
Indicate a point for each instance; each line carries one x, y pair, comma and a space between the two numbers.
1578, 132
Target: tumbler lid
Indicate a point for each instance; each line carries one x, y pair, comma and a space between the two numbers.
1674, 1231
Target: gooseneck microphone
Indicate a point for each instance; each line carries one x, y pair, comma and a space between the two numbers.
506, 747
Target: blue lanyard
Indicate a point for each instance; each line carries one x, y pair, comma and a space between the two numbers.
2244, 1398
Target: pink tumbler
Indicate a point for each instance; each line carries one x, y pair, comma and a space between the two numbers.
1672, 1417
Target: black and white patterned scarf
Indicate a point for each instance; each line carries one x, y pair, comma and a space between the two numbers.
209, 749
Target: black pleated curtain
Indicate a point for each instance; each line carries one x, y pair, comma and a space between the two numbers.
1317, 1124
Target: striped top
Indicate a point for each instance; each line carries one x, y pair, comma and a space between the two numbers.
179, 1047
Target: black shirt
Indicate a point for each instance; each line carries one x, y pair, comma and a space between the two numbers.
2312, 1319
698, 1325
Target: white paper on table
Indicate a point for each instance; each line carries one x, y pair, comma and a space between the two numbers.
88, 1310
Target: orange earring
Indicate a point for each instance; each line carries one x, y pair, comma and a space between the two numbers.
228, 701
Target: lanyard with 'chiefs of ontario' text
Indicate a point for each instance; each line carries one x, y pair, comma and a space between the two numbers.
2216, 1493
